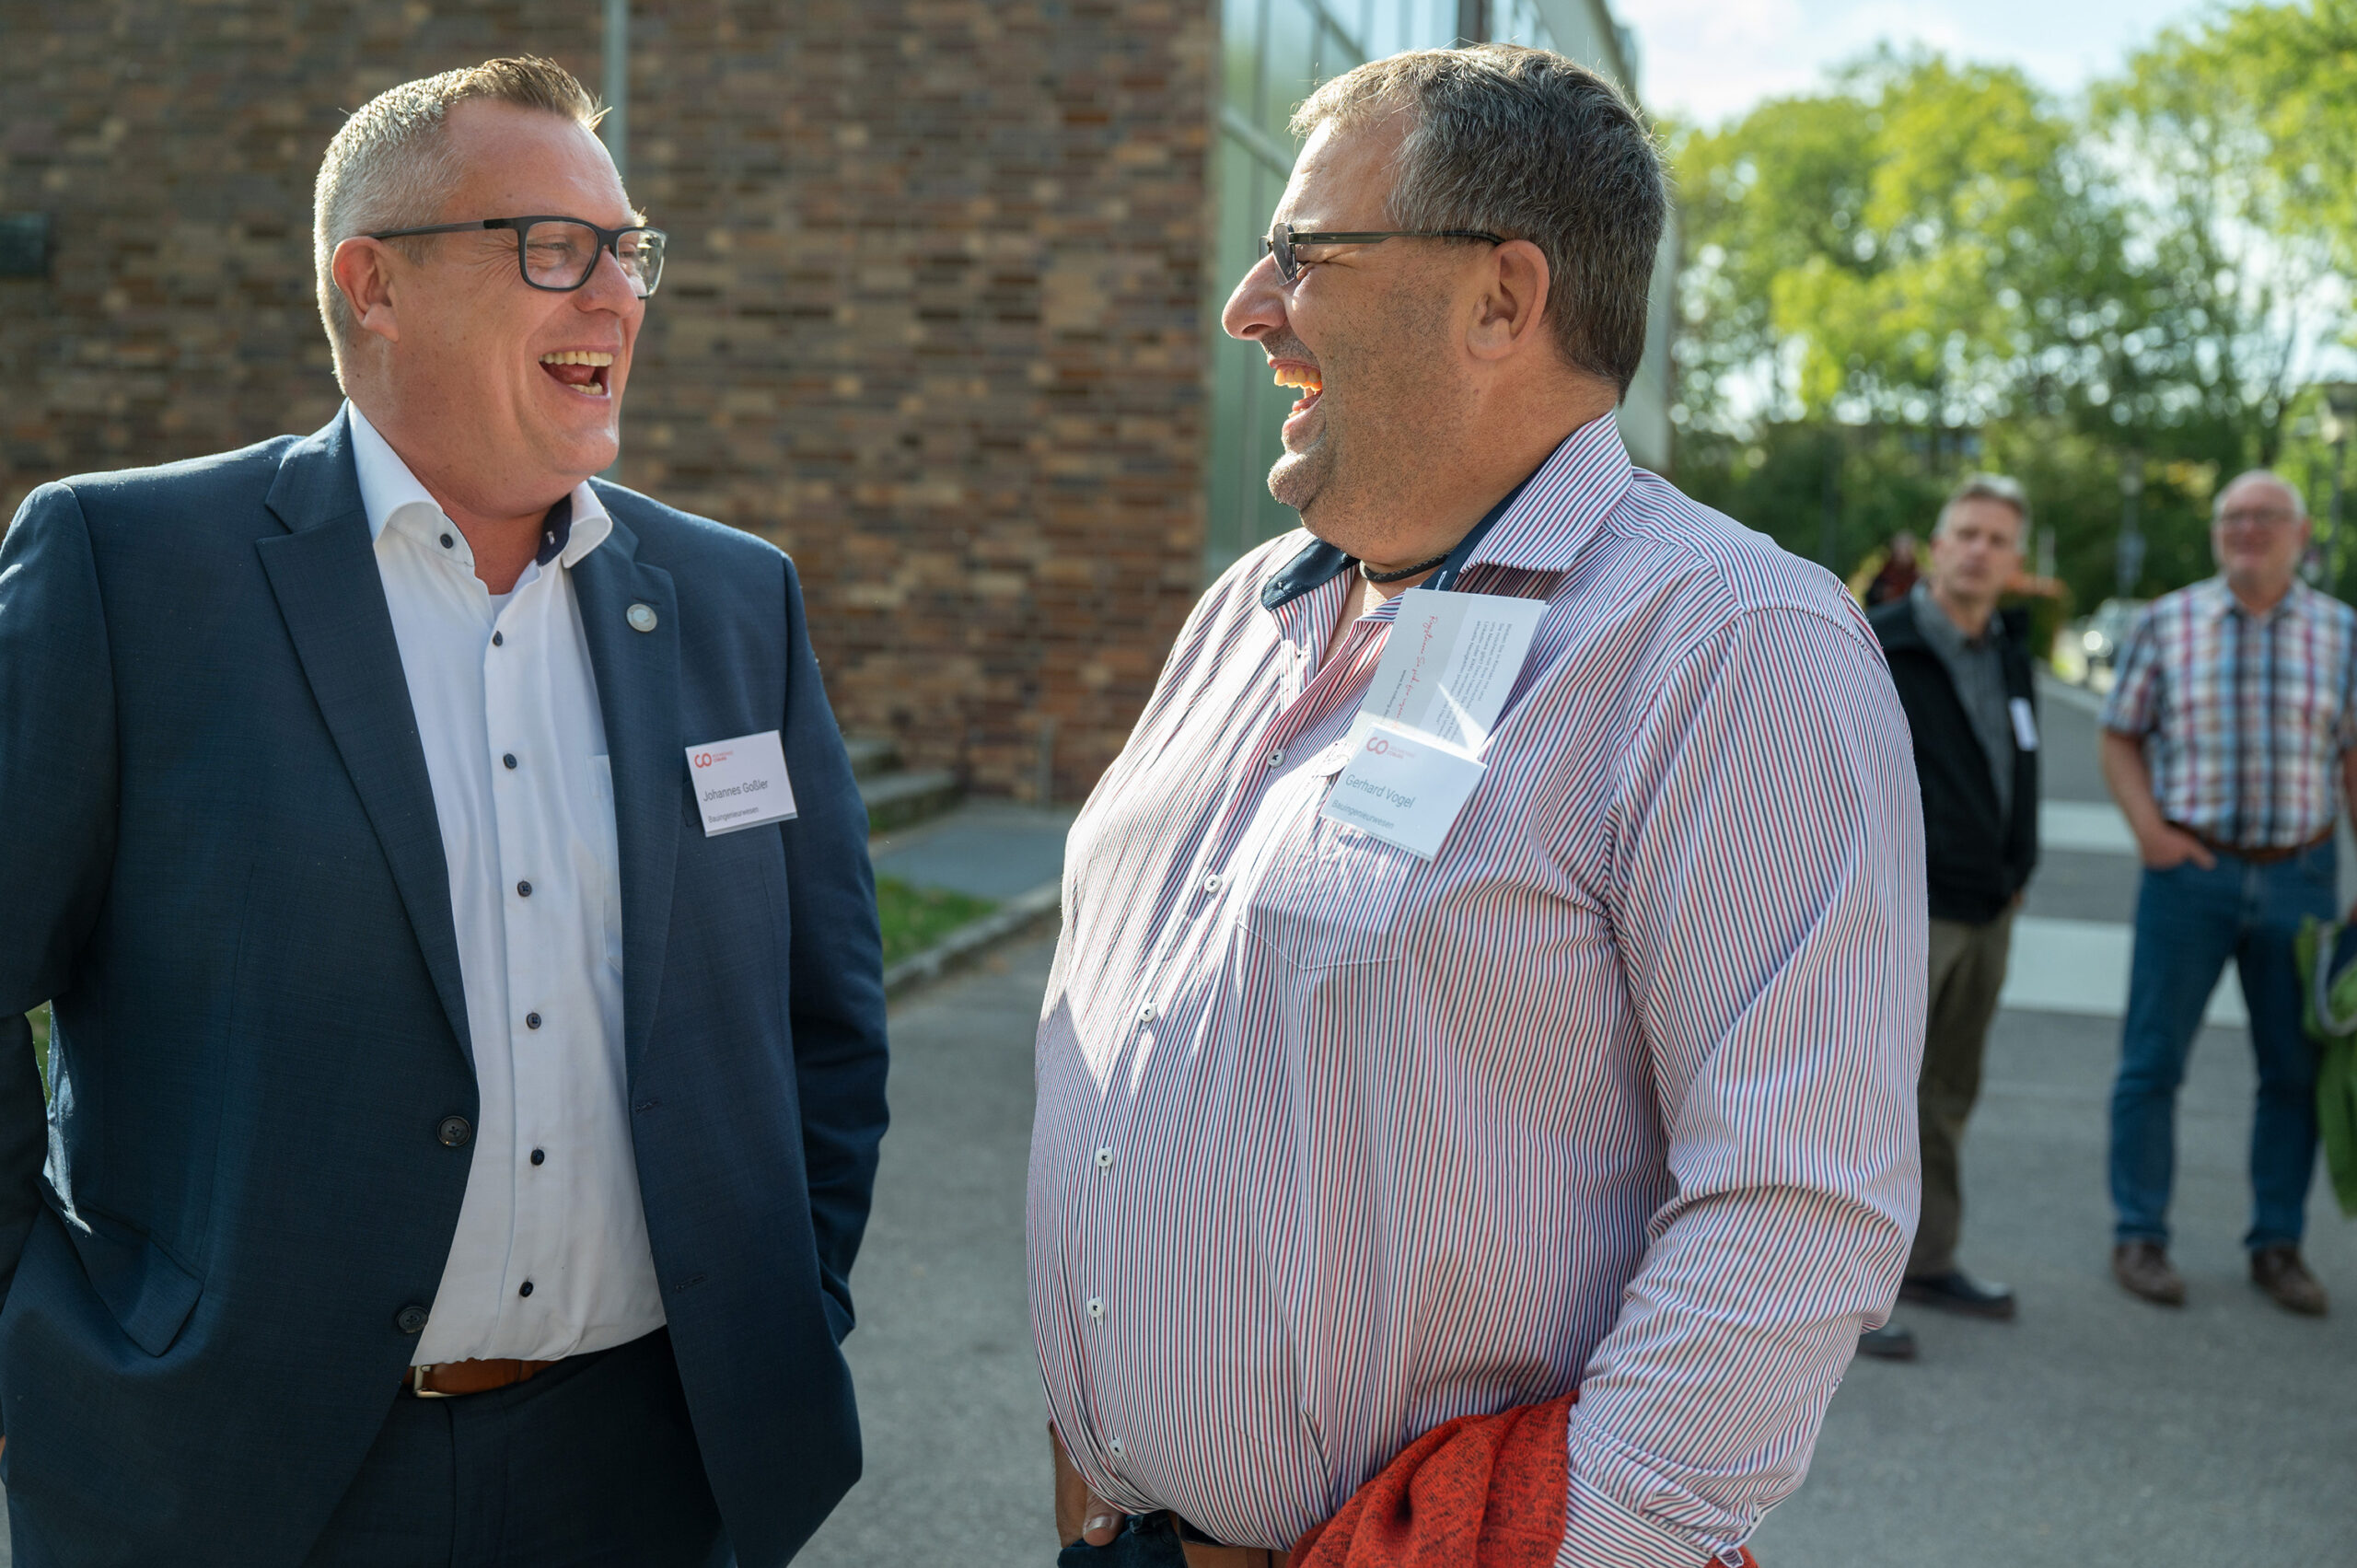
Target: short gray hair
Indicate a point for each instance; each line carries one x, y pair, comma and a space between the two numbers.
1989, 487
390, 165
1529, 144
2261, 476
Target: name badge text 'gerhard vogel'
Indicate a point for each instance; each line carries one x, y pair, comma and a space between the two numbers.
740, 784
1403, 786
1414, 750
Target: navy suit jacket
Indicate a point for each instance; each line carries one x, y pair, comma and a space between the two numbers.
219, 857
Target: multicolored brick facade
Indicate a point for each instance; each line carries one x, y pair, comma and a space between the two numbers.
933, 319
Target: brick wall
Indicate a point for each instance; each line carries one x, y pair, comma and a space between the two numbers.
932, 319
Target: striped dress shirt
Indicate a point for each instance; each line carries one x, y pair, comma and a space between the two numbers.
1334, 1145
2244, 718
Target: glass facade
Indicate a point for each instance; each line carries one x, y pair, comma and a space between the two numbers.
1272, 53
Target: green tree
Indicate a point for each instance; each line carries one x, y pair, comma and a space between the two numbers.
2244, 287
2296, 66
1924, 246
1931, 266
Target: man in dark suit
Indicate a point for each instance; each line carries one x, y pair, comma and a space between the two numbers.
469, 1062
1963, 674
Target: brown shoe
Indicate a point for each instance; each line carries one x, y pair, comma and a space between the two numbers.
2278, 1270
2143, 1269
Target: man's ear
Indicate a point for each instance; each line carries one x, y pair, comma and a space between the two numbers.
362, 269
1510, 313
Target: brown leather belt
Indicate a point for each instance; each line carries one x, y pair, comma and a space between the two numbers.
2267, 854
441, 1379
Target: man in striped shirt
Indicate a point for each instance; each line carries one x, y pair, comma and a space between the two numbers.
1615, 1091
2228, 743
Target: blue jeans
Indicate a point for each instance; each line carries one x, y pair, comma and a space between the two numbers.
2189, 921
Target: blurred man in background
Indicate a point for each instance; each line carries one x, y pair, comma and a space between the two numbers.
2227, 744
1963, 674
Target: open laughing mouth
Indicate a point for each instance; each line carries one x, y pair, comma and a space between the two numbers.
582, 369
1311, 383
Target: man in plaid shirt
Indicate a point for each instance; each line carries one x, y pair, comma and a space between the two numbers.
2227, 743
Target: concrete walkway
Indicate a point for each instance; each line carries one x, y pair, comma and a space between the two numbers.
985, 849
949, 1381
2094, 1431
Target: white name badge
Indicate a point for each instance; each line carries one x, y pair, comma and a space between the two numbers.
1450, 660
1403, 786
2024, 724
741, 784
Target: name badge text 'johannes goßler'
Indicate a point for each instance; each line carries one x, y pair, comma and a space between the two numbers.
740, 784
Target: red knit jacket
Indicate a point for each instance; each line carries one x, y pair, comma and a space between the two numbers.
1481, 1491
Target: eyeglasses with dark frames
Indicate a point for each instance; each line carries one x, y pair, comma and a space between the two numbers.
1282, 242
560, 254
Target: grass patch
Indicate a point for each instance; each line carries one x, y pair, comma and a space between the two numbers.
915, 918
39, 1018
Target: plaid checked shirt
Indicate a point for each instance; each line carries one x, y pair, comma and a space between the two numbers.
2244, 718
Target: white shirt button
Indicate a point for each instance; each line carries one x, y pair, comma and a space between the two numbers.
1276, 757
1146, 1013
1210, 883
1096, 1308
1103, 1159
1114, 1445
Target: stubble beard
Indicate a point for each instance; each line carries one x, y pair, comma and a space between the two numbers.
1350, 483
1298, 479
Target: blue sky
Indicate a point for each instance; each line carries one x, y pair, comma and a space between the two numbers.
1705, 60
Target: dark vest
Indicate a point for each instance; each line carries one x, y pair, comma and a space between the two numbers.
1975, 857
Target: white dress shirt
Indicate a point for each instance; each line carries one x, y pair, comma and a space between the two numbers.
550, 1257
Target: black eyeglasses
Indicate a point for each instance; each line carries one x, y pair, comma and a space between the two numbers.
560, 254
1282, 241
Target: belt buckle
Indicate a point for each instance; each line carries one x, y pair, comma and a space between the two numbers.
417, 1382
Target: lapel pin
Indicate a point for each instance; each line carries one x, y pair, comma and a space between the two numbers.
641, 617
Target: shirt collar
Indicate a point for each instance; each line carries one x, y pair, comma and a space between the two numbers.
1540, 526
576, 524
2222, 600
1939, 631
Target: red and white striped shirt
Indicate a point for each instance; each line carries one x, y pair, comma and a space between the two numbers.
1334, 1145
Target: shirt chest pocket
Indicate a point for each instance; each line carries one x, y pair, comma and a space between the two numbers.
1323, 894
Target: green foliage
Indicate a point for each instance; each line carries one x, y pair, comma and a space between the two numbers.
1930, 267
915, 918
39, 1018
2297, 66
1913, 247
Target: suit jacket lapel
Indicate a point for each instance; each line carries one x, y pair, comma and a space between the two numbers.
323, 571
638, 694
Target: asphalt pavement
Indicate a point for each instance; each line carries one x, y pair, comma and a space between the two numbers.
2094, 1430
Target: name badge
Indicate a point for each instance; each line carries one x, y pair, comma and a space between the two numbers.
1413, 753
2024, 724
741, 784
1450, 660
1403, 786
